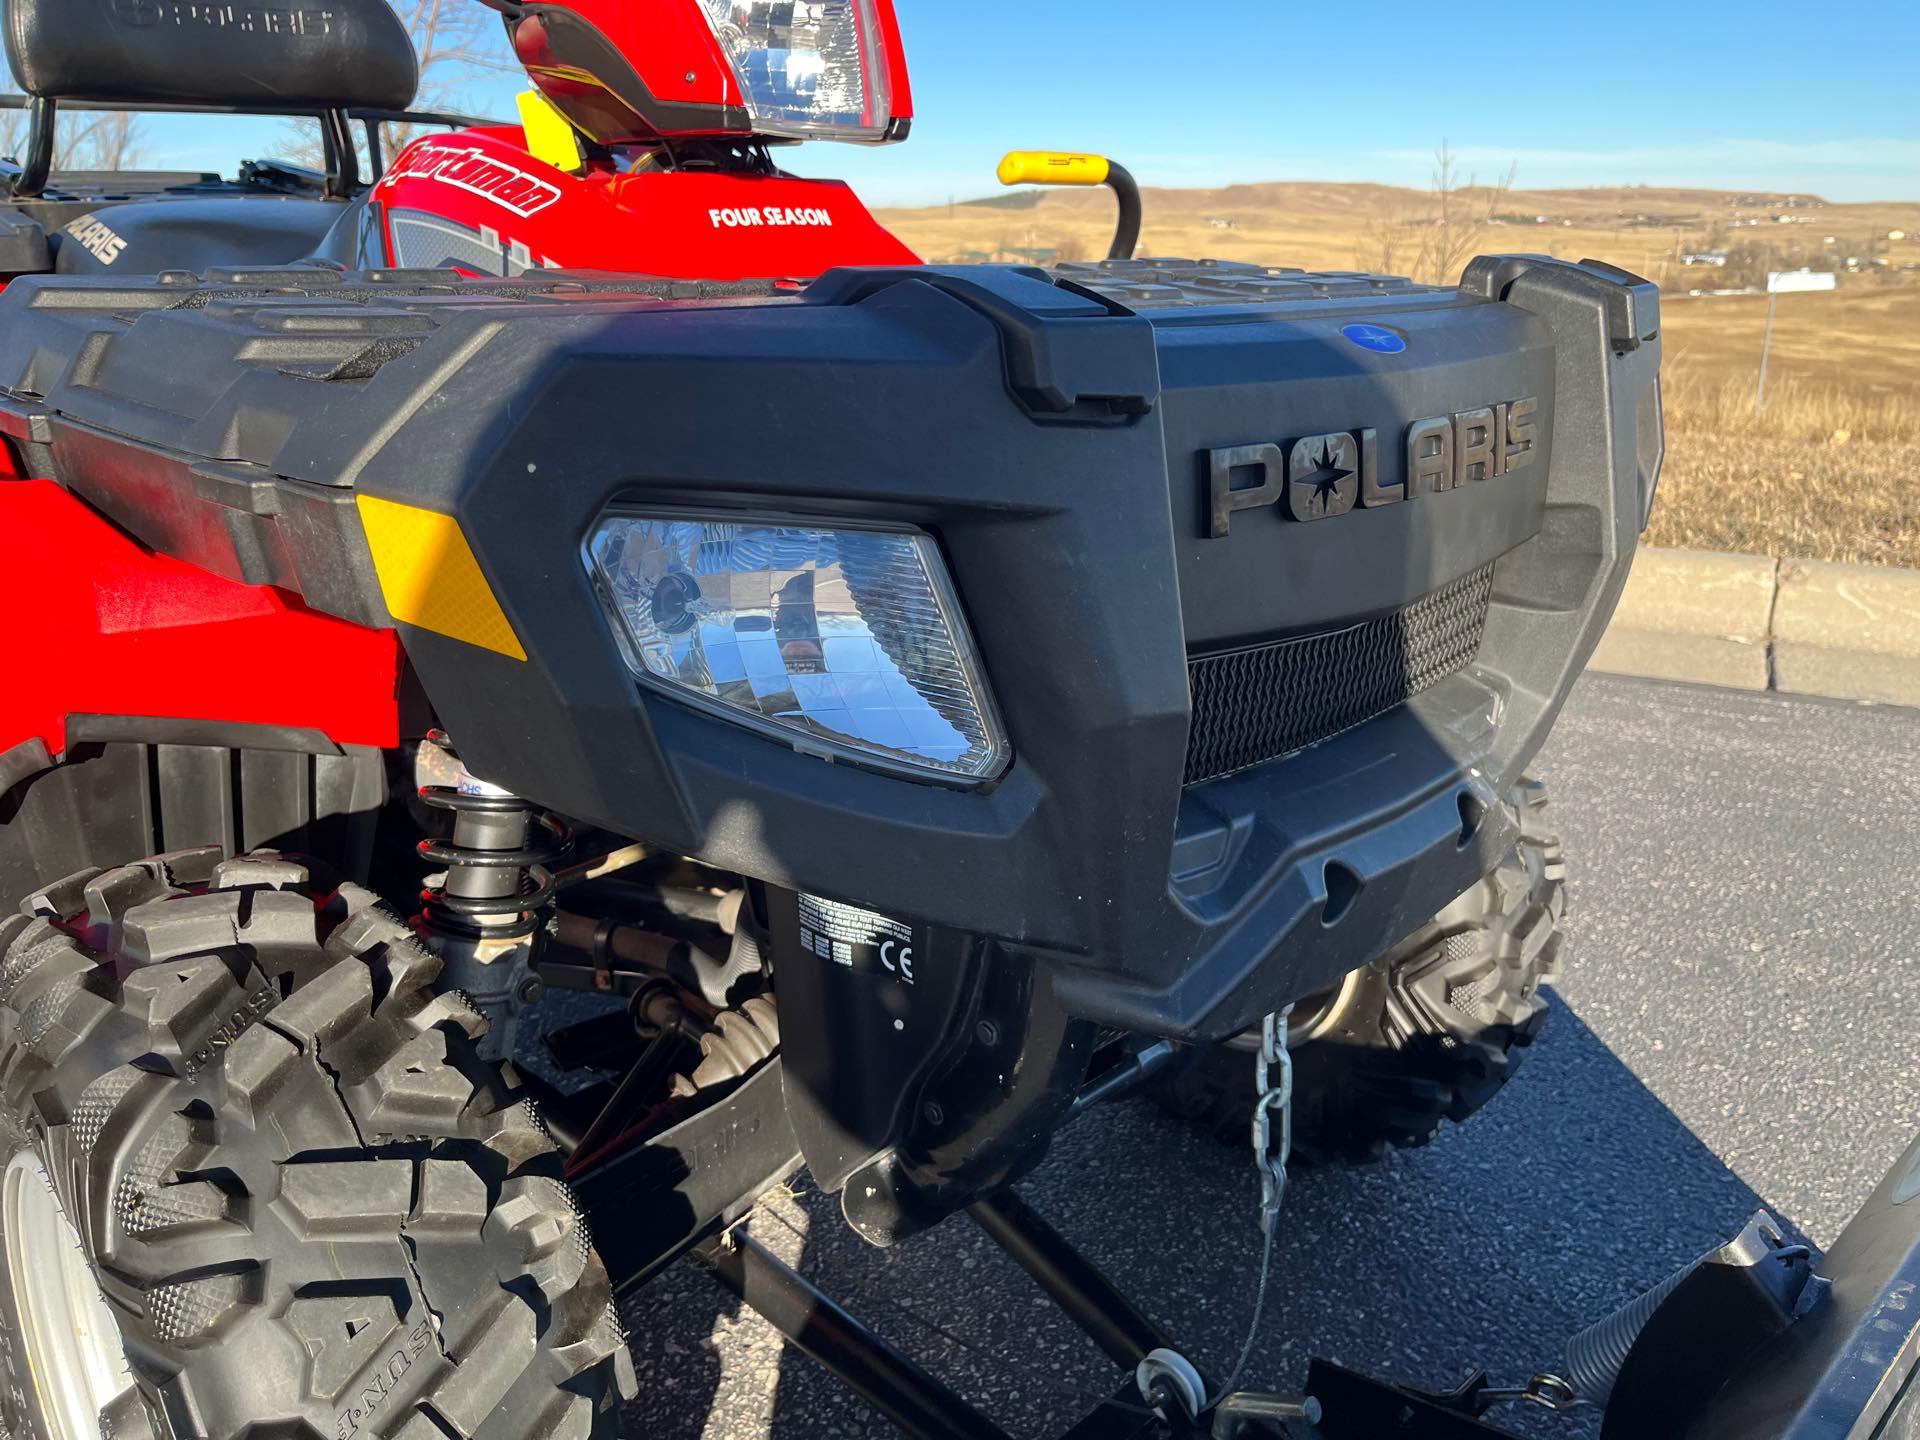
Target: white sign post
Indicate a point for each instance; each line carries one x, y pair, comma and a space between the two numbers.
1784, 282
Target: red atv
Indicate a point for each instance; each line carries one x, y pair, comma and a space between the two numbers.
918, 702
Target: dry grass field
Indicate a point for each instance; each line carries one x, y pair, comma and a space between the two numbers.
1829, 470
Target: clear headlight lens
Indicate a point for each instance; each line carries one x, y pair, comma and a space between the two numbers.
845, 641
809, 69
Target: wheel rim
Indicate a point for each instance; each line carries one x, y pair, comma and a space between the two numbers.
1313, 1017
74, 1354
1324, 1011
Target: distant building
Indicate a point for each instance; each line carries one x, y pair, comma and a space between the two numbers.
1706, 257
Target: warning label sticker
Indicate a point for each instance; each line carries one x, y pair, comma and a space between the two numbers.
858, 939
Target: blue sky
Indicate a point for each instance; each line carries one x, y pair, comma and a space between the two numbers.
1731, 96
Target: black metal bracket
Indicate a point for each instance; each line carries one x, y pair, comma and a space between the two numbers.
895, 1385
343, 161
1351, 1406
919, 1403
1359, 1407
685, 1188
1071, 1281
1729, 1307
685, 1183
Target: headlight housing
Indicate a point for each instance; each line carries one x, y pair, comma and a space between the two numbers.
808, 69
845, 641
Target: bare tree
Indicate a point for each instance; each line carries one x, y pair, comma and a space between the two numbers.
82, 140
1463, 210
1069, 247
1434, 246
457, 42
13, 133
103, 141
1382, 243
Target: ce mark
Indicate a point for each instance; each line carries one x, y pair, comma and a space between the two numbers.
897, 958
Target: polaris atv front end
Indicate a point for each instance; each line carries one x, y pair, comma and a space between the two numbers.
1141, 645
916, 703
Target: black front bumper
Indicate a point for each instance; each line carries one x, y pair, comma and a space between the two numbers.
1052, 432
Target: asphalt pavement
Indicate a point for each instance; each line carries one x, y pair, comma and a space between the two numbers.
1735, 1029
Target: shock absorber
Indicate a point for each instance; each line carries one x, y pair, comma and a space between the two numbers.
484, 917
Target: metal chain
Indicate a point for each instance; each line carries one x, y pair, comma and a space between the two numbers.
1273, 1110
1273, 1086
1273, 1080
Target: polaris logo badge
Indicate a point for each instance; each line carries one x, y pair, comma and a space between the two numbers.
1376, 338
1321, 476
477, 173
97, 239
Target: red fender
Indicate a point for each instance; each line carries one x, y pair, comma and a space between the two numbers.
100, 626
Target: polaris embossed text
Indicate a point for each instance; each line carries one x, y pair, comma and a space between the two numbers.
297, 20
1320, 476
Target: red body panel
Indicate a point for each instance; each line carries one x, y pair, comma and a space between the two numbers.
671, 49
111, 629
668, 42
697, 225
128, 632
898, 80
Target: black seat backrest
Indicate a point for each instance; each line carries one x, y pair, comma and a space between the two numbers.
329, 54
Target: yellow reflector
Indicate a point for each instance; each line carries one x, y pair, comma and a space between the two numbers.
1052, 167
550, 135
429, 576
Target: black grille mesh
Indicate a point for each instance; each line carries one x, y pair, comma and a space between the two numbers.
1255, 705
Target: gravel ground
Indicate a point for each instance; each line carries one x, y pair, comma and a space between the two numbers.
1733, 1031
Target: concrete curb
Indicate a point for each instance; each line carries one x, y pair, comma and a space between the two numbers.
1752, 623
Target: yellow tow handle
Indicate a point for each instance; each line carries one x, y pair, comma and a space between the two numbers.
1053, 167
1059, 167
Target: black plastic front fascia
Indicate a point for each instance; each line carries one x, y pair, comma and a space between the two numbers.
1066, 550
895, 407
1045, 437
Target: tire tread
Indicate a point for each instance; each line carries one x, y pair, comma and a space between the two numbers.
279, 1141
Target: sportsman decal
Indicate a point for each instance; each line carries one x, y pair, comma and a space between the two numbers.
469, 169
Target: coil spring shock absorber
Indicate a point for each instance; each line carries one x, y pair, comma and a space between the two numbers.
484, 918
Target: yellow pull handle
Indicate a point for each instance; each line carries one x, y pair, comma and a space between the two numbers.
550, 135
1053, 167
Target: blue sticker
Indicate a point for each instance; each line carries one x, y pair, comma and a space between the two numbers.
1375, 337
